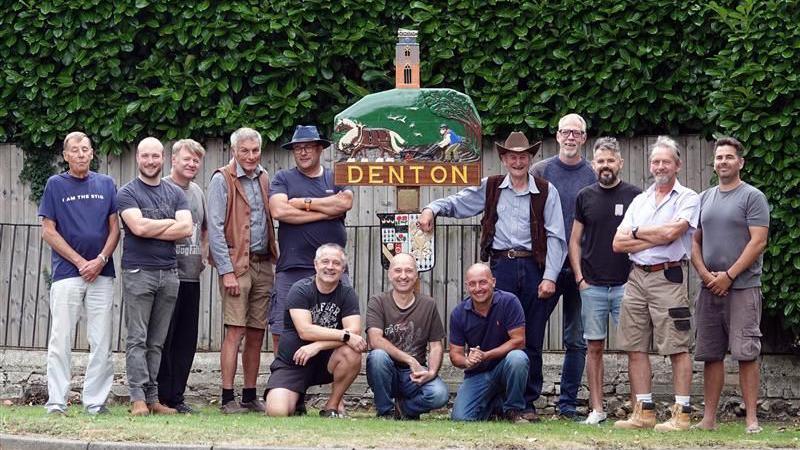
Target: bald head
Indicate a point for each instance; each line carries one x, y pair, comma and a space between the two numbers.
403, 258
479, 269
403, 273
150, 144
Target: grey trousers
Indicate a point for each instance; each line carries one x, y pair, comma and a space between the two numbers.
149, 297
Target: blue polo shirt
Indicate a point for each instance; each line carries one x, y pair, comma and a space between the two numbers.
470, 329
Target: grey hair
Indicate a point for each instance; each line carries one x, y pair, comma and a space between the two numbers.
330, 246
79, 135
606, 143
245, 134
573, 116
191, 145
668, 143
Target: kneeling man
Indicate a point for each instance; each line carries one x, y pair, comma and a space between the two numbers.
487, 338
321, 341
400, 327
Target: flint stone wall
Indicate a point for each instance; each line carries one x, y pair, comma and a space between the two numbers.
23, 380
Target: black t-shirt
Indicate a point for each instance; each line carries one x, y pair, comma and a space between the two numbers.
601, 210
327, 311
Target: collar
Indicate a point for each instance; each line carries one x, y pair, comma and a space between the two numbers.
676, 188
532, 189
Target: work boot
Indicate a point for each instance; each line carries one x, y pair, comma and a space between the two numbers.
679, 420
642, 418
158, 408
139, 408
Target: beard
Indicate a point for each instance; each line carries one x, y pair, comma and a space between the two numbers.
150, 173
608, 177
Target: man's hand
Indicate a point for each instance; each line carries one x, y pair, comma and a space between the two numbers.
422, 376
90, 270
305, 353
474, 357
357, 343
720, 284
231, 284
426, 220
546, 289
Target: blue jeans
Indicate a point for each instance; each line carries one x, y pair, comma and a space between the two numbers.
388, 382
505, 385
600, 303
521, 277
574, 344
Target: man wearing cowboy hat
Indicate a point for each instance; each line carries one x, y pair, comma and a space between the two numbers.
523, 238
242, 247
310, 211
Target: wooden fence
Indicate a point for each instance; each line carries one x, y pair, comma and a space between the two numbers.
25, 259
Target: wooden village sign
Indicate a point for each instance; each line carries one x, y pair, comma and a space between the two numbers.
408, 137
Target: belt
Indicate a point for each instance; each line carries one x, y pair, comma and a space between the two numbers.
259, 257
511, 254
657, 267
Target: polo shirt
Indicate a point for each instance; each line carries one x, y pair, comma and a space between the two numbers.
470, 329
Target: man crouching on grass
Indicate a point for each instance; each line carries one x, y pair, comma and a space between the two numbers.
321, 342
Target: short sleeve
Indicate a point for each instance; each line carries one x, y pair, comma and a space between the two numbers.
278, 184
580, 215
350, 304
47, 206
457, 328
299, 297
688, 207
125, 200
758, 210
514, 317
181, 203
627, 219
375, 313
112, 192
437, 329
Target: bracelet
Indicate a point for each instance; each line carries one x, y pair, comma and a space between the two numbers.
578, 283
728, 275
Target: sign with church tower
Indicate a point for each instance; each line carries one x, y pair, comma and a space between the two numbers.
409, 136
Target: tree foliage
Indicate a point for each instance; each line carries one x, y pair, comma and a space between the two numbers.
127, 69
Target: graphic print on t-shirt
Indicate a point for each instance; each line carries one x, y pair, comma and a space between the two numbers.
325, 315
403, 335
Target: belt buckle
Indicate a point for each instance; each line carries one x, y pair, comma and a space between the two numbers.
512, 254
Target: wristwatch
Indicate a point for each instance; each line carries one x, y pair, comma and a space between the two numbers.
633, 232
307, 201
103, 258
346, 336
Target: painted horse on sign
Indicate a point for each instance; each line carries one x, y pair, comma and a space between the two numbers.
357, 139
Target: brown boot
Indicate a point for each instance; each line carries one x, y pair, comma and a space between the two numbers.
642, 418
679, 420
139, 408
158, 408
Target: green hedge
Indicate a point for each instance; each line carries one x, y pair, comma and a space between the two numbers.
201, 69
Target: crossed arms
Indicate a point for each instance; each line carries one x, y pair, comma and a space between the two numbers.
294, 211
165, 229
648, 236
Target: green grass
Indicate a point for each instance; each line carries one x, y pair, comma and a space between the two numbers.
209, 426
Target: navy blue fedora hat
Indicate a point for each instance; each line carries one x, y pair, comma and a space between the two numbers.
306, 133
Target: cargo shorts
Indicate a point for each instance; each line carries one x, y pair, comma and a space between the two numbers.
728, 323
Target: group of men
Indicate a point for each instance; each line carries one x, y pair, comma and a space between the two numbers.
563, 228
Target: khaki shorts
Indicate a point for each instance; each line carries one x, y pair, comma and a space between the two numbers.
655, 307
727, 323
250, 308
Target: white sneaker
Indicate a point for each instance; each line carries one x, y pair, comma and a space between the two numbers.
595, 418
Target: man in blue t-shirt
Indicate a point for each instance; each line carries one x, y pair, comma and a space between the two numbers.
79, 222
310, 211
487, 338
569, 172
154, 215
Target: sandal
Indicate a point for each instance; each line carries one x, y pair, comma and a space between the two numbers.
753, 429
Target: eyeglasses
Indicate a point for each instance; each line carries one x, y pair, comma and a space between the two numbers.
309, 148
574, 133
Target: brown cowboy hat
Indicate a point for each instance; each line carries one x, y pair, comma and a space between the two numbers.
517, 143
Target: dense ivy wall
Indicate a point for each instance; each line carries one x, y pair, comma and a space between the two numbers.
126, 69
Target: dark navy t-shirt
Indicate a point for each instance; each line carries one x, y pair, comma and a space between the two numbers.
155, 202
327, 310
470, 329
298, 243
80, 208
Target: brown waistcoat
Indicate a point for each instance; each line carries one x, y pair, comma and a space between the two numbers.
538, 233
237, 219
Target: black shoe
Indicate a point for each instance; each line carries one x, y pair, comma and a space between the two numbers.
183, 408
529, 414
515, 416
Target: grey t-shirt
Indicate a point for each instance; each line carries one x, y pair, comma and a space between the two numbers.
724, 219
408, 329
188, 250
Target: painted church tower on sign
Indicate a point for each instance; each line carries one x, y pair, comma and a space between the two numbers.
406, 60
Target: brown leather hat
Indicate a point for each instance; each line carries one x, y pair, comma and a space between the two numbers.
517, 143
